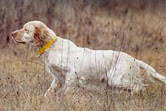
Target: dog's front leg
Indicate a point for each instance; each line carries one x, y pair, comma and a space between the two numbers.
52, 87
69, 81
54, 84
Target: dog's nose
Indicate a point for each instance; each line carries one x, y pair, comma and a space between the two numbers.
13, 34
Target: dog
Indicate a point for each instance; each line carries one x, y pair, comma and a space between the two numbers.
67, 62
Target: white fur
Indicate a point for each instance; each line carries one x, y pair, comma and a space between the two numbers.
67, 62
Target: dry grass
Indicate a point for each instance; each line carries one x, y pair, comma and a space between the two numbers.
23, 83
137, 28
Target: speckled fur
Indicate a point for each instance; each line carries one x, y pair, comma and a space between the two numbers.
67, 62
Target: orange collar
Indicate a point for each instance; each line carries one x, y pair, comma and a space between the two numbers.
47, 46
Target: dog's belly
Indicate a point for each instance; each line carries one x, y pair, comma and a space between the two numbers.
94, 64
117, 68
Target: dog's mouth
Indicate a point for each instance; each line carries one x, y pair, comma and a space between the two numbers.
21, 42
17, 41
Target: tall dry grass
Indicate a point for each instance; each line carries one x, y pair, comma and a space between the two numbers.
136, 27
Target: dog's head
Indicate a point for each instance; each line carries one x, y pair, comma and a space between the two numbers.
34, 32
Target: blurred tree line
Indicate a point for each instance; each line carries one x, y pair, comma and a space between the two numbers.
89, 22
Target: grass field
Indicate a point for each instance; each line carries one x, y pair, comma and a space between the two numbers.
24, 81
137, 28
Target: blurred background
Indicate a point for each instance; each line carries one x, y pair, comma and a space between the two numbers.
136, 27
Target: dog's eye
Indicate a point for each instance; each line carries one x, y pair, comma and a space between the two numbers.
27, 31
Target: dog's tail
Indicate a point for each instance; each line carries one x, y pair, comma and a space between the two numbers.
151, 72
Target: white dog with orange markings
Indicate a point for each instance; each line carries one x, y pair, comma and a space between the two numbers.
67, 62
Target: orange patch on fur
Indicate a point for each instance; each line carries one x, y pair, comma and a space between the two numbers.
41, 36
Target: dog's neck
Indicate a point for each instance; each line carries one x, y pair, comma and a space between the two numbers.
60, 46
48, 43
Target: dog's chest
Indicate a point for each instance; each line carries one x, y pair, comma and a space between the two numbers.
56, 68
57, 62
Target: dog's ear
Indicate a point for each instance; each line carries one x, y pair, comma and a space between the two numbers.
41, 36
